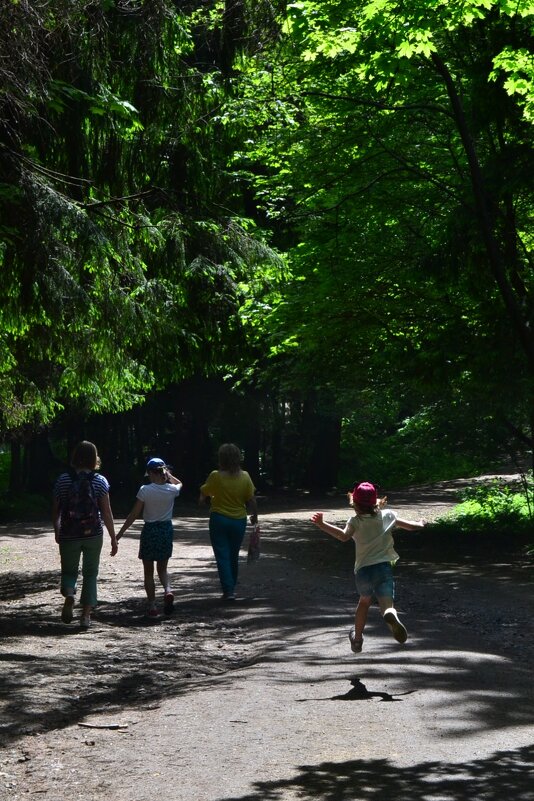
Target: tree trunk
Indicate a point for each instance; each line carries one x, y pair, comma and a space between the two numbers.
15, 468
485, 218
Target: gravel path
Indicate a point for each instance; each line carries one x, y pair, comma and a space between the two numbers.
250, 702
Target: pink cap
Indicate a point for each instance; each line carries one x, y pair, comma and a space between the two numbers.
364, 494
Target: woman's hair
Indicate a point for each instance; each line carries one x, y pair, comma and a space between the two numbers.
85, 456
229, 457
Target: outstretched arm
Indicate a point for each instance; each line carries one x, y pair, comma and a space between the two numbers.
107, 516
410, 525
136, 512
339, 533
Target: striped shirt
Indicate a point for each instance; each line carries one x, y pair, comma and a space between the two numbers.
100, 488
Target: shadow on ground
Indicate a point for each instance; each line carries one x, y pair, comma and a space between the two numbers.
301, 589
505, 774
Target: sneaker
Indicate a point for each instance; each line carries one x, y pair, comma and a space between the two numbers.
397, 628
228, 597
66, 612
355, 645
85, 622
152, 613
168, 603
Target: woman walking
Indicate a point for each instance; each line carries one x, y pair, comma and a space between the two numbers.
81, 503
231, 492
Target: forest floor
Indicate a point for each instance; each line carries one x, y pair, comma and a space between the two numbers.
249, 702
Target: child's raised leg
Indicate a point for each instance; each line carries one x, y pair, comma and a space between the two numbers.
389, 613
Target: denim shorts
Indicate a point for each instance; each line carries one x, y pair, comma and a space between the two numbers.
376, 580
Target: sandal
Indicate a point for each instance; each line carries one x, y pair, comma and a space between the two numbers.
355, 645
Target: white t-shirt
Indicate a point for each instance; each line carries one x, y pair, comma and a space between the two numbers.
159, 501
373, 538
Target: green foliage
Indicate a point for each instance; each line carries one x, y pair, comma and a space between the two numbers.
386, 149
29, 506
426, 447
517, 66
26, 506
369, 171
493, 507
124, 249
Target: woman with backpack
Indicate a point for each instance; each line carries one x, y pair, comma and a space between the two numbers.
81, 503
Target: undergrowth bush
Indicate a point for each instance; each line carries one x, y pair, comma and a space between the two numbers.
24, 507
493, 507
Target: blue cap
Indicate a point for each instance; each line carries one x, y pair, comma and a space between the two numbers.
153, 464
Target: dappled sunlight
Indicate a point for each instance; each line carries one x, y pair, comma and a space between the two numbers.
291, 619
501, 774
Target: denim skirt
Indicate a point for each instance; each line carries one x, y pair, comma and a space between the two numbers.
156, 541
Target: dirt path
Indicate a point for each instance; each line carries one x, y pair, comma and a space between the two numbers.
250, 702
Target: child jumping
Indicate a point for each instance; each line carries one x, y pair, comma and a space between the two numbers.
371, 529
155, 502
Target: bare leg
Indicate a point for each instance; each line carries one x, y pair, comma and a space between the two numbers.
168, 600
163, 574
150, 587
360, 616
385, 602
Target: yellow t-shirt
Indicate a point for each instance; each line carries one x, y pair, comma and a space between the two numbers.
229, 492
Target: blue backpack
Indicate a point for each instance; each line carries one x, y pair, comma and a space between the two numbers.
80, 517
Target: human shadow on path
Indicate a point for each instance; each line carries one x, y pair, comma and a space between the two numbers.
505, 774
303, 589
359, 692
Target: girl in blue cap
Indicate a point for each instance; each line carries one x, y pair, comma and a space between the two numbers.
155, 503
371, 529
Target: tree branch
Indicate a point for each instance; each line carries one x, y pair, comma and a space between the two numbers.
356, 101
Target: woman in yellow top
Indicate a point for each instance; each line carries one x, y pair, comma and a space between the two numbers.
231, 492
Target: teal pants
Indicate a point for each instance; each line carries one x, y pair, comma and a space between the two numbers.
70, 552
226, 535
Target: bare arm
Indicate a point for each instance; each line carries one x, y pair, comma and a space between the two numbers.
339, 533
56, 518
252, 509
410, 525
137, 511
107, 516
172, 479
